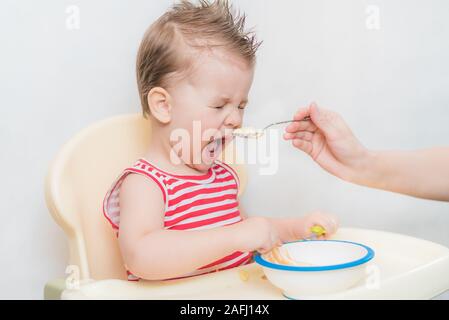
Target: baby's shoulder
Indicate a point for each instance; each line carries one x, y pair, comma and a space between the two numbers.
134, 183
137, 188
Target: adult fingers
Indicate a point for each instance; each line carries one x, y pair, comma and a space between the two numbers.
303, 135
301, 126
325, 120
302, 113
303, 145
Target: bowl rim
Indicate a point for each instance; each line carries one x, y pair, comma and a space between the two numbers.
368, 256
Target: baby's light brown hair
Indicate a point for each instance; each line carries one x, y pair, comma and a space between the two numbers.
164, 51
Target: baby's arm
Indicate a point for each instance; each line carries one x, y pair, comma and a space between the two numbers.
297, 228
153, 253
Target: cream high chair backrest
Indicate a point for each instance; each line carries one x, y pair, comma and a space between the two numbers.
78, 180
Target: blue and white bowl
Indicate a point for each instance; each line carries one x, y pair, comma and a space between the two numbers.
330, 266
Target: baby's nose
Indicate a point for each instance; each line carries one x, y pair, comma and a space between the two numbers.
234, 120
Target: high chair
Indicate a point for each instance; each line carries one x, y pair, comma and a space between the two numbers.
85, 168
77, 182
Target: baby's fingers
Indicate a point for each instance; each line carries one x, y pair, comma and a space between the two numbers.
330, 224
268, 248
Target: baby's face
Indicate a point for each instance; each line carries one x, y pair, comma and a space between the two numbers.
212, 99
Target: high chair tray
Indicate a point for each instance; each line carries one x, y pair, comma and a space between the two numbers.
406, 267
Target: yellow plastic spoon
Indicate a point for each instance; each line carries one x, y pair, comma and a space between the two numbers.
318, 231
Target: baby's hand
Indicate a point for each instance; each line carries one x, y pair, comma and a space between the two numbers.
303, 229
258, 233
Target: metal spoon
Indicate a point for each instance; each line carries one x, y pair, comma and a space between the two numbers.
252, 133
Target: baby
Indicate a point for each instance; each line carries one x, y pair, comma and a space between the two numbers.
176, 211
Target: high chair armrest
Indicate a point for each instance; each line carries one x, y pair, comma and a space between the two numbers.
246, 282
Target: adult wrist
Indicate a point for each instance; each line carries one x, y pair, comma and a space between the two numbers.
366, 170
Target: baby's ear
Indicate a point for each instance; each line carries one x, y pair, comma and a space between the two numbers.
159, 104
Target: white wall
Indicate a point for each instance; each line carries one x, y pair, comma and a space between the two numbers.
391, 85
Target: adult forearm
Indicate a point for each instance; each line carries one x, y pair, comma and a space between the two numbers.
422, 173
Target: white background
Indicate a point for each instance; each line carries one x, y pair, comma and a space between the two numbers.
391, 85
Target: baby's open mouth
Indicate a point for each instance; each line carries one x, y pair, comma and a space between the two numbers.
215, 146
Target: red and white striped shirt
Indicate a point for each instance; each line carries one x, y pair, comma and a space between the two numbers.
191, 203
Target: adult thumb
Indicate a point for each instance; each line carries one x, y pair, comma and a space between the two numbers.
323, 120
